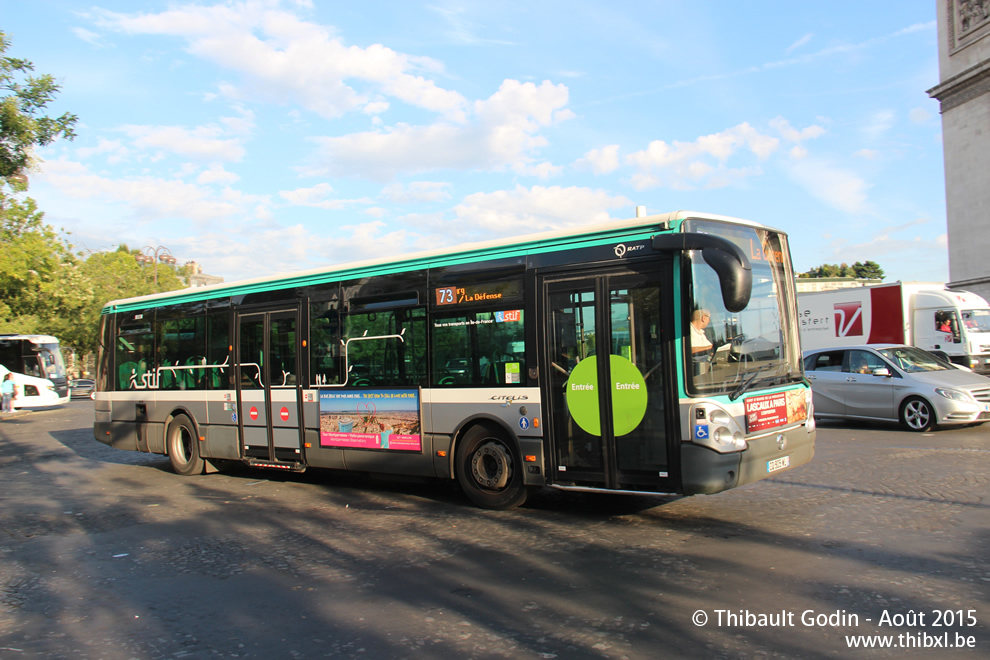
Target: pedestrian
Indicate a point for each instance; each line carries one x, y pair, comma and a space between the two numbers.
9, 389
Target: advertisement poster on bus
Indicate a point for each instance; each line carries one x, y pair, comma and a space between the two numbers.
769, 410
370, 419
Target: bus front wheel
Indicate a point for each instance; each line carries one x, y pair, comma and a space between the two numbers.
183, 447
489, 470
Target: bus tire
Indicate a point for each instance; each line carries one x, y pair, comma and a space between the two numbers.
489, 470
182, 446
917, 414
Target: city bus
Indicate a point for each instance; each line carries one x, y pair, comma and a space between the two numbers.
38, 368
560, 360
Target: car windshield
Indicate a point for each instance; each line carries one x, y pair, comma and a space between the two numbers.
913, 360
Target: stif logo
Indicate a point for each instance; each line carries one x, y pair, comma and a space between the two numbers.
848, 319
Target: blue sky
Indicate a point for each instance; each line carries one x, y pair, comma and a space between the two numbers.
266, 136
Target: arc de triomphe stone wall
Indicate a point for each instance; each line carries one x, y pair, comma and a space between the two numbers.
964, 95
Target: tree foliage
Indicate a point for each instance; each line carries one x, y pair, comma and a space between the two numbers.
46, 289
861, 269
22, 124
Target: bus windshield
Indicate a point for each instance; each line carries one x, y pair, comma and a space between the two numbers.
50, 358
729, 353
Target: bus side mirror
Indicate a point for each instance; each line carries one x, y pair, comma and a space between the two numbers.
730, 263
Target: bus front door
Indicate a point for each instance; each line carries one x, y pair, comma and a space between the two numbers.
268, 387
606, 379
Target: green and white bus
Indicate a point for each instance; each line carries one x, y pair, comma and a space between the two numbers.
560, 359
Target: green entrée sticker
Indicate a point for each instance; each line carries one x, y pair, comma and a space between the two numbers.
628, 395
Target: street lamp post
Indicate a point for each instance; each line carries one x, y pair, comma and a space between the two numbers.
152, 255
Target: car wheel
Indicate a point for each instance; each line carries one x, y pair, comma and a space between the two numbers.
917, 414
489, 470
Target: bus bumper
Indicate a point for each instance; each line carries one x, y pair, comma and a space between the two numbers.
705, 471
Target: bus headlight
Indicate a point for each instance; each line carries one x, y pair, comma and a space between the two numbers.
715, 428
732, 441
809, 410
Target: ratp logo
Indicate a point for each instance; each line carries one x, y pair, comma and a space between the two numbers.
848, 319
622, 250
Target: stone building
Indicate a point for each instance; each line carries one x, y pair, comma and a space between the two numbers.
964, 95
198, 278
813, 284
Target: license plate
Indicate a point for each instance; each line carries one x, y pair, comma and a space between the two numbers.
778, 463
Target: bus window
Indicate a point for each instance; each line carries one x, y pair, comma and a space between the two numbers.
220, 374
182, 353
324, 342
385, 347
478, 348
134, 353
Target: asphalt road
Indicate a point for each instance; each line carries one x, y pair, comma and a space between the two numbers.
108, 554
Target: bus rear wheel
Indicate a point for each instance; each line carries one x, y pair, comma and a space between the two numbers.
182, 446
489, 470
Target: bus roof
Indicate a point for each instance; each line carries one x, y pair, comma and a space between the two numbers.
34, 339
467, 252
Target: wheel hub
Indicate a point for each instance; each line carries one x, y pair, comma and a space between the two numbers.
491, 466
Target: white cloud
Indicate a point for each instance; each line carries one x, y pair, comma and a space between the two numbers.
148, 198
601, 161
484, 216
878, 124
200, 143
868, 154
318, 196
113, 150
686, 165
90, 37
217, 174
799, 43
919, 115
285, 59
502, 134
417, 192
791, 134
834, 186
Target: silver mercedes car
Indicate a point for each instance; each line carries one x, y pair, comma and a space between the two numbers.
897, 383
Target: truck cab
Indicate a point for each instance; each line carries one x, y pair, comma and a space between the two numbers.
954, 325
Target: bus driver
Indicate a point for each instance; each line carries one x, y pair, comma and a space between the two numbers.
700, 344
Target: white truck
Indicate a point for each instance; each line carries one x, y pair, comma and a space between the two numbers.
955, 325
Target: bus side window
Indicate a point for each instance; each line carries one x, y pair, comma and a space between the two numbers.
479, 348
388, 347
218, 376
324, 339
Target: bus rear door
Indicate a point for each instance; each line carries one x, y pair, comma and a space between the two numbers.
268, 385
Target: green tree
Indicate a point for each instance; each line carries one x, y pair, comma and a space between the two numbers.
38, 280
22, 124
46, 289
868, 270
864, 270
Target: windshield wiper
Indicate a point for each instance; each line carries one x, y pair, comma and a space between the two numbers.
743, 386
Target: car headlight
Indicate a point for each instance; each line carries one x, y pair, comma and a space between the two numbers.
955, 395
